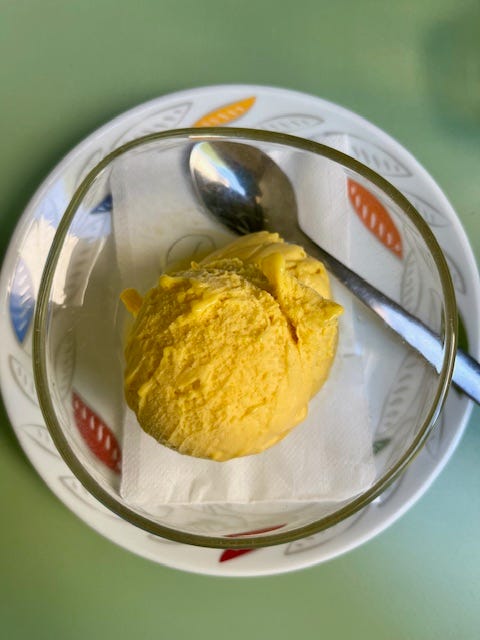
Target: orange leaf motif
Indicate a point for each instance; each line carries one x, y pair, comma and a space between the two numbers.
375, 217
226, 114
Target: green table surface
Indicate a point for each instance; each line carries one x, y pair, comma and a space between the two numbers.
412, 67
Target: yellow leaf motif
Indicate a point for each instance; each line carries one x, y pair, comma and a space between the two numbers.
226, 114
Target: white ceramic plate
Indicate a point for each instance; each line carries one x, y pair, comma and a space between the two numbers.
246, 106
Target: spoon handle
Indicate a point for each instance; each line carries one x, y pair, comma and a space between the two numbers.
466, 373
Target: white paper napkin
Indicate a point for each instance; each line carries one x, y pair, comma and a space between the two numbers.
326, 458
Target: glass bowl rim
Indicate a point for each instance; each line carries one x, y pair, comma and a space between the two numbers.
240, 541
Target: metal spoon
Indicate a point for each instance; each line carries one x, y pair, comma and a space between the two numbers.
247, 191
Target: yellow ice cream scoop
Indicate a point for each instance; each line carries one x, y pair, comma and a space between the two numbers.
223, 357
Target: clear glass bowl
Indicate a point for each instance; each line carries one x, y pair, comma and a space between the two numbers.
78, 358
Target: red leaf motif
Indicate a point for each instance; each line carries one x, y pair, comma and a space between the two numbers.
375, 217
230, 554
97, 436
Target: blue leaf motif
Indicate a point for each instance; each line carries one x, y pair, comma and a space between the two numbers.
50, 212
53, 205
105, 206
21, 301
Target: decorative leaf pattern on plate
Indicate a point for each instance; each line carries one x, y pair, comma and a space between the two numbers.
78, 490
82, 262
104, 206
397, 441
290, 122
375, 217
376, 158
398, 403
161, 120
321, 538
39, 434
21, 300
89, 234
99, 438
24, 379
429, 213
230, 554
408, 394
457, 277
65, 364
435, 311
52, 206
226, 113
411, 284
88, 227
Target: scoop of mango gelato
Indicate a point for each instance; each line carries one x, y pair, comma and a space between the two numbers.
223, 358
